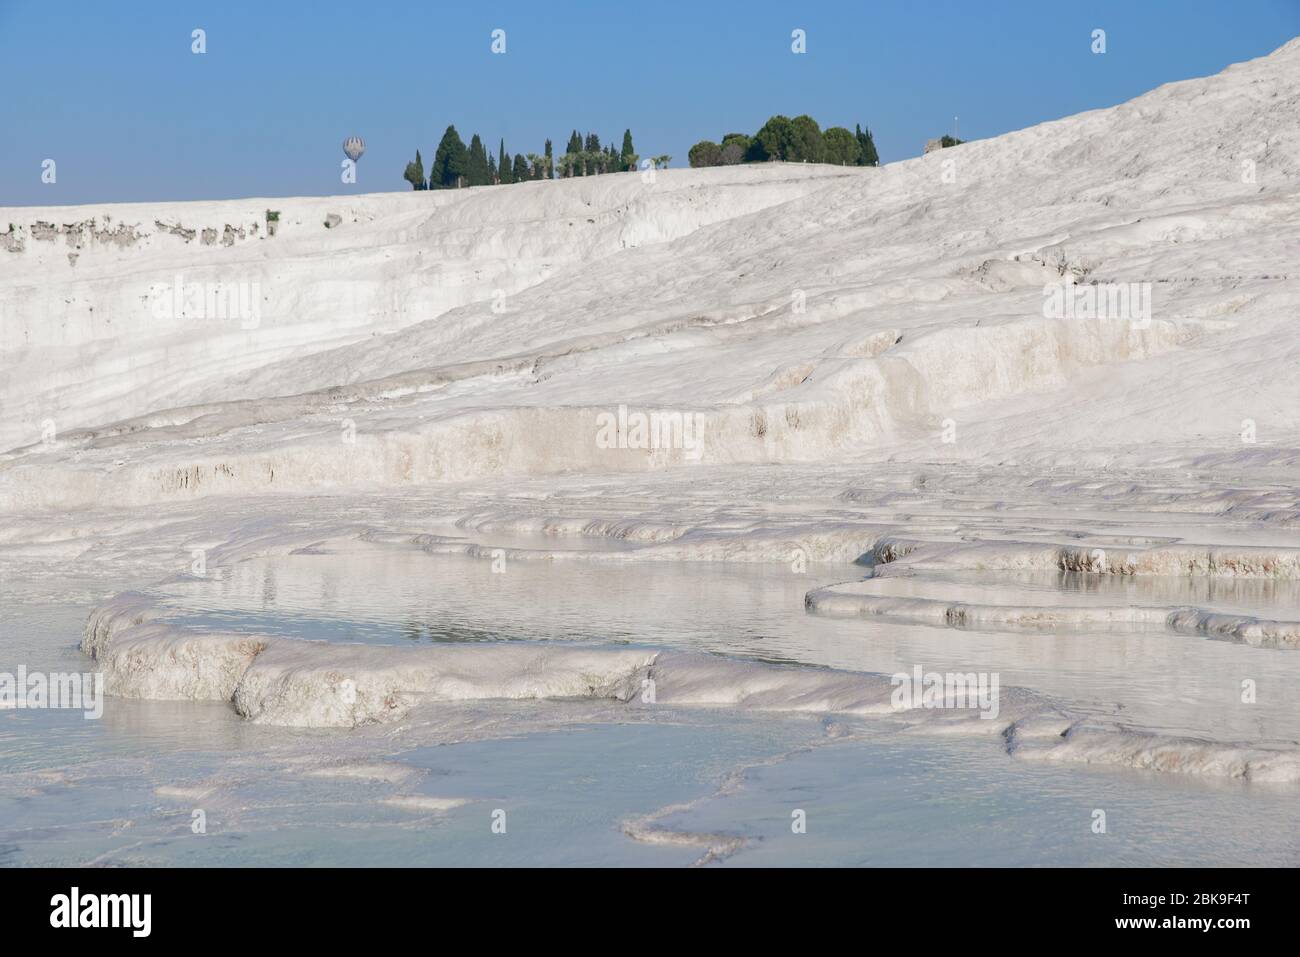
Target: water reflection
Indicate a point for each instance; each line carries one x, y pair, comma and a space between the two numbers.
1145, 676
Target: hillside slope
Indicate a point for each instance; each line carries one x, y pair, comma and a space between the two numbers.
795, 314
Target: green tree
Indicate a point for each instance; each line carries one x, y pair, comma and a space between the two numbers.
627, 153
704, 153
774, 141
867, 147
476, 166
415, 173
550, 159
842, 147
734, 146
589, 155
947, 141
492, 169
503, 164
521, 168
449, 162
807, 145
570, 164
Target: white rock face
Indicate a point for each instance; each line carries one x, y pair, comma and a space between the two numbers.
802, 313
1069, 349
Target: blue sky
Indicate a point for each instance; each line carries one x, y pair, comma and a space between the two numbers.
112, 92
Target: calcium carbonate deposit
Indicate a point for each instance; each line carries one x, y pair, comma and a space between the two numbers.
647, 509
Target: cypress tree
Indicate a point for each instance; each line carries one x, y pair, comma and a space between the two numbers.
573, 154
415, 173
521, 168
476, 167
492, 169
503, 164
625, 155
868, 156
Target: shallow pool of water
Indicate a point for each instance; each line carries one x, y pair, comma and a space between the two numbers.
1149, 677
574, 780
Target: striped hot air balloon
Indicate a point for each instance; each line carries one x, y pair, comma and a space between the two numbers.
353, 147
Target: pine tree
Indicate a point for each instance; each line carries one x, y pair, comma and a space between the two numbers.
492, 169
449, 162
807, 145
550, 160
841, 147
704, 153
774, 141
521, 168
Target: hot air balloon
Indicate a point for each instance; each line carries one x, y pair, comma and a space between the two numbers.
353, 147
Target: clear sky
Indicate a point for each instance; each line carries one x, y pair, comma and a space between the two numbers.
111, 91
